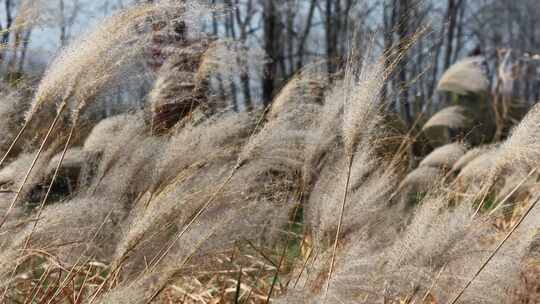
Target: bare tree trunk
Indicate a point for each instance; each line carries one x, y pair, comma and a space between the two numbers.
243, 26
290, 42
435, 72
230, 32
26, 42
389, 13
460, 30
9, 21
61, 7
219, 77
6, 30
345, 26
270, 21
403, 32
305, 35
331, 36
451, 15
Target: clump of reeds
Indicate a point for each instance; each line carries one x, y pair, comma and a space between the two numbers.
466, 76
303, 186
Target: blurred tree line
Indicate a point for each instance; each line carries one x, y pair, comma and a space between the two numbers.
295, 33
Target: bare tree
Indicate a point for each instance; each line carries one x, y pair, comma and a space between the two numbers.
271, 34
244, 25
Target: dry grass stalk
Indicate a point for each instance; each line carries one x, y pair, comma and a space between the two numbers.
493, 253
19, 191
361, 114
43, 202
14, 142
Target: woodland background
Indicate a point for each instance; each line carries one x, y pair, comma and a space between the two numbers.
293, 34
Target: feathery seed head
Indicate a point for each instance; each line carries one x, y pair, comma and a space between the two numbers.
465, 76
97, 59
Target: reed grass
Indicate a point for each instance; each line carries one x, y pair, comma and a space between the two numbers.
300, 202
